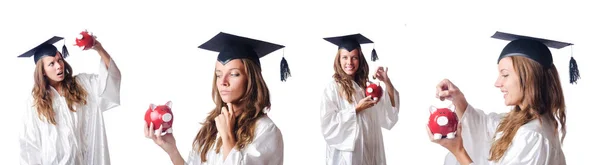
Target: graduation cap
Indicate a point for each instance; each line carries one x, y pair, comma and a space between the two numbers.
46, 49
351, 42
536, 49
232, 47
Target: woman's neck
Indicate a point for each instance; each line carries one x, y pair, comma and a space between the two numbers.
237, 109
57, 86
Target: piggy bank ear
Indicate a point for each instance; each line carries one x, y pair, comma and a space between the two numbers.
452, 107
152, 106
169, 104
432, 109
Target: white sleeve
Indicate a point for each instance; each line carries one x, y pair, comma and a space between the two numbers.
481, 127
339, 126
106, 84
478, 130
386, 113
527, 148
193, 158
29, 137
265, 149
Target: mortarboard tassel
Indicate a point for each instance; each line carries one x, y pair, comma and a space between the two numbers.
573, 71
285, 70
65, 52
374, 55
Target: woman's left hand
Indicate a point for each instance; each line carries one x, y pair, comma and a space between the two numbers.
454, 145
381, 74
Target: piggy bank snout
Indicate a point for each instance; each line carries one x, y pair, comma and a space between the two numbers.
167, 117
442, 120
369, 90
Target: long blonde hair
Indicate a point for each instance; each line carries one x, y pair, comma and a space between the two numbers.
542, 96
360, 77
73, 92
255, 99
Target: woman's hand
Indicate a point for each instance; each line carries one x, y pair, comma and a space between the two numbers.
455, 145
446, 90
381, 75
225, 123
97, 45
165, 141
365, 103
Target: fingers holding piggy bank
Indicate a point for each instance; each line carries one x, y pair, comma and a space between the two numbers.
85, 40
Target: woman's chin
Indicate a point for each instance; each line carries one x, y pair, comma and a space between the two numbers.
349, 73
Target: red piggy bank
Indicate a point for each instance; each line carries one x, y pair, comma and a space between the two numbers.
85, 40
160, 115
443, 122
374, 90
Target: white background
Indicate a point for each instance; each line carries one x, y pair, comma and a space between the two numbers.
155, 46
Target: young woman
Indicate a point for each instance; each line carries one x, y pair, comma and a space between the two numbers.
237, 130
529, 133
63, 122
350, 122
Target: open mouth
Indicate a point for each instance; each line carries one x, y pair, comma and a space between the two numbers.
59, 74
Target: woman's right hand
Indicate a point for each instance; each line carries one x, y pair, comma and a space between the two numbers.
166, 141
365, 103
446, 90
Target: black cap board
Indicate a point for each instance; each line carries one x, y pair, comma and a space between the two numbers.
536, 49
46, 48
351, 42
232, 47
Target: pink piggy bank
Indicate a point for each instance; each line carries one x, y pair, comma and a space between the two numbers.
160, 115
374, 90
443, 122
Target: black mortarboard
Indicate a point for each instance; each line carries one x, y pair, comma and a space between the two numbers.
232, 47
535, 49
351, 42
46, 49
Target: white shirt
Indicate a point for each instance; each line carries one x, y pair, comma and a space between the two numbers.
78, 137
533, 144
355, 138
265, 149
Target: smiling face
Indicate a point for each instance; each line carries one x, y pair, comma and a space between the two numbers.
349, 61
54, 68
509, 82
231, 80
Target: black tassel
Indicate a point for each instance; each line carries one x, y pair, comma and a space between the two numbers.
374, 55
65, 52
285, 70
573, 71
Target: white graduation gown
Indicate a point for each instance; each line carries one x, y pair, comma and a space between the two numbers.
265, 149
534, 143
78, 137
355, 138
